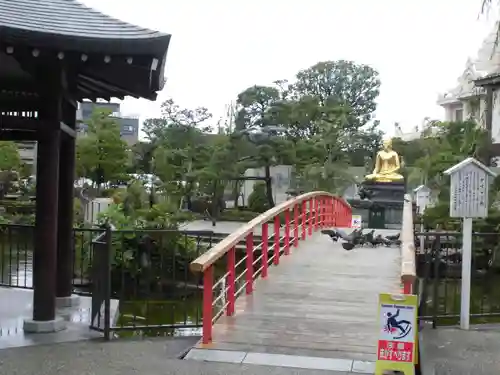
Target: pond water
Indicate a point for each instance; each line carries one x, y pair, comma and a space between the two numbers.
183, 309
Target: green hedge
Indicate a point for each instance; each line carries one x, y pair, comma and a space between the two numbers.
18, 207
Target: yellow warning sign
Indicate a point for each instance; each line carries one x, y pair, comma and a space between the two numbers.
397, 342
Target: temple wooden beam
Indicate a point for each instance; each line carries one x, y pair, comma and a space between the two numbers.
14, 104
68, 130
18, 135
19, 122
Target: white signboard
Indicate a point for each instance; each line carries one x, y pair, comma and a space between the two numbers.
469, 189
468, 199
422, 198
356, 221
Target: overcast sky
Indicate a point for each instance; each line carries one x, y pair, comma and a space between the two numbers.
221, 47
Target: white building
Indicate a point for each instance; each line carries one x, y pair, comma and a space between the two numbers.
466, 101
415, 133
469, 101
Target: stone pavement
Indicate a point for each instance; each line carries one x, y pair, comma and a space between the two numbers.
451, 351
157, 356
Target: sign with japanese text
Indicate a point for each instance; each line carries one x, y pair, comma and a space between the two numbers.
356, 221
469, 189
396, 349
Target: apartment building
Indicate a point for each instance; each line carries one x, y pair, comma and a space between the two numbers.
129, 125
129, 129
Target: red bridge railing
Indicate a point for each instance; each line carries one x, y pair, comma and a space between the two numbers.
231, 267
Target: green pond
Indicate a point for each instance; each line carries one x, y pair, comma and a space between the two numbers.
181, 307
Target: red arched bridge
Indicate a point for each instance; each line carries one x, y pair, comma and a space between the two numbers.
295, 292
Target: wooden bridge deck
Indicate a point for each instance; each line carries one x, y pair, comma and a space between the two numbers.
321, 301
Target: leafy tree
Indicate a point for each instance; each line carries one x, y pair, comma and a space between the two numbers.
256, 116
102, 155
159, 129
321, 161
9, 156
334, 89
178, 142
221, 166
142, 157
257, 200
10, 166
341, 84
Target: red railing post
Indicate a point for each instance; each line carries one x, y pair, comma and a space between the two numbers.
287, 231
249, 264
332, 212
304, 219
322, 212
310, 217
208, 280
231, 277
277, 235
346, 217
334, 215
328, 212
296, 225
344, 221
407, 288
265, 249
316, 214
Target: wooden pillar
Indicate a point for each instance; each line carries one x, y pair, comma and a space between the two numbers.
45, 253
65, 243
47, 187
65, 251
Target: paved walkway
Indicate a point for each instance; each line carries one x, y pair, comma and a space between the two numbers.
128, 357
319, 305
452, 351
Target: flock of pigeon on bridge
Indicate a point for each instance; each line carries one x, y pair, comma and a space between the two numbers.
358, 238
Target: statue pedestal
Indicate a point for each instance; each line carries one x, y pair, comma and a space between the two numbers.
386, 203
384, 191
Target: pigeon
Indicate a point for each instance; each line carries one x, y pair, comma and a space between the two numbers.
332, 233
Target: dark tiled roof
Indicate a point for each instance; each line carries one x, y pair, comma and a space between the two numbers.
69, 20
69, 26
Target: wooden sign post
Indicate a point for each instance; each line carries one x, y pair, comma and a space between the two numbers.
468, 200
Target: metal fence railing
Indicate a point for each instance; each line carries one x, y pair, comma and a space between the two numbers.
141, 283
439, 263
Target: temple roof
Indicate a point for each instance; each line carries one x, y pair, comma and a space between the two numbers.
60, 22
109, 57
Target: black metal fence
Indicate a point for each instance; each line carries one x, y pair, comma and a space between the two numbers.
141, 282
16, 256
439, 267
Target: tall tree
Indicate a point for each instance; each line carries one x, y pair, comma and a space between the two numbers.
328, 90
256, 116
341, 84
321, 163
178, 140
102, 155
451, 143
142, 157
10, 159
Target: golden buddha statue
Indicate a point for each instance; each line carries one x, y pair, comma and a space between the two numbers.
387, 165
